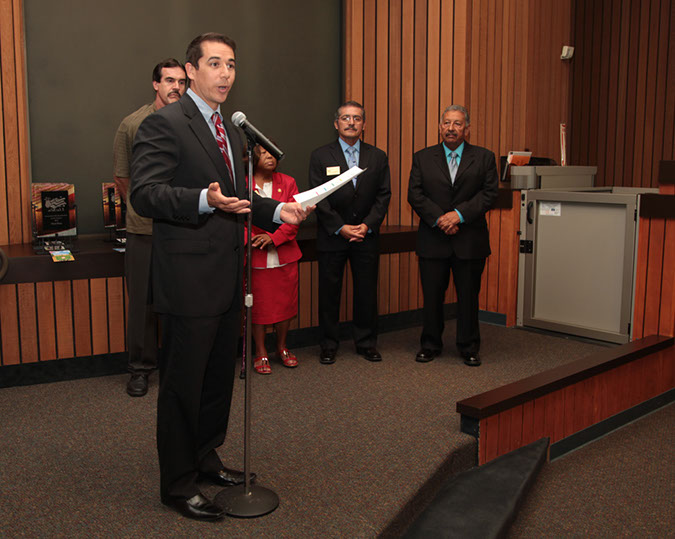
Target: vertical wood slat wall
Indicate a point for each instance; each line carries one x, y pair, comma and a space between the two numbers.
15, 224
623, 96
565, 411
62, 319
406, 60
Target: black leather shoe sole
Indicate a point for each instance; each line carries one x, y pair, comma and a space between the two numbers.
424, 356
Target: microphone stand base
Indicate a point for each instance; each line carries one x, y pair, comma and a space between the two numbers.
253, 502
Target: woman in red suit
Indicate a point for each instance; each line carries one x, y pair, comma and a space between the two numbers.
275, 256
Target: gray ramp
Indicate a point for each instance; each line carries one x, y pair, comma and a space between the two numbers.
482, 502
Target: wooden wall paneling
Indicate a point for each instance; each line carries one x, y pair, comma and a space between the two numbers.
4, 227
420, 75
407, 107
532, 76
667, 313
9, 325
25, 234
99, 316
494, 261
354, 50
415, 285
508, 261
558, 420
622, 83
394, 82
479, 112
82, 317
654, 272
669, 136
46, 320
527, 427
382, 78
504, 432
539, 422
516, 427
637, 327
116, 321
369, 67
492, 437
10, 198
638, 143
632, 144
433, 71
608, 173
592, 90
461, 53
28, 323
604, 89
651, 65
446, 49
494, 91
506, 80
661, 74
569, 410
63, 313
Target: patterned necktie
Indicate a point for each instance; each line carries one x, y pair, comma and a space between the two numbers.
351, 160
453, 166
221, 139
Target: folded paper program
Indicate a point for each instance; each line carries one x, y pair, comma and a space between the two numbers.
312, 196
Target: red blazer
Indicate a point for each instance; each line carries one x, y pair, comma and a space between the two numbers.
283, 189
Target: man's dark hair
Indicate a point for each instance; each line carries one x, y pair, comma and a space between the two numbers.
169, 62
351, 104
194, 50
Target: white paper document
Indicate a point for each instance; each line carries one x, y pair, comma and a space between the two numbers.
312, 196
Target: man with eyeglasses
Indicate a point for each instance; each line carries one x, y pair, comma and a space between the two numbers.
349, 224
452, 186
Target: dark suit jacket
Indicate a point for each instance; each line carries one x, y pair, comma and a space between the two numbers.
196, 259
431, 194
366, 203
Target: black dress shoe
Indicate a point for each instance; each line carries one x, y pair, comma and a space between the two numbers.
425, 355
371, 354
472, 360
225, 477
197, 507
137, 386
327, 356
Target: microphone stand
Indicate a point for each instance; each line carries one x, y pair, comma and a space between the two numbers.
248, 500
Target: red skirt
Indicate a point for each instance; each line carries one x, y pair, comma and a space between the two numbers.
275, 294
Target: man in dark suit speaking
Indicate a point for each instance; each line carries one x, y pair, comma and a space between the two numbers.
187, 173
349, 224
452, 185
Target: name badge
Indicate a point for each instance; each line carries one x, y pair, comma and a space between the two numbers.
332, 171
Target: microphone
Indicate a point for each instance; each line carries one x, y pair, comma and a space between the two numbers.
239, 119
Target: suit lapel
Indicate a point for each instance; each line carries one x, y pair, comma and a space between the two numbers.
364, 156
208, 141
441, 161
237, 152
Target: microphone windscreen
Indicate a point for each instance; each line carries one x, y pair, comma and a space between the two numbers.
238, 118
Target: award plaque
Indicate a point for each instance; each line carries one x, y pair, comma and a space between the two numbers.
54, 209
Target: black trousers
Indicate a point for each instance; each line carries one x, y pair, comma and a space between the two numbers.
142, 321
196, 374
435, 277
365, 268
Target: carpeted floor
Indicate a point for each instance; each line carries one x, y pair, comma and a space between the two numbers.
622, 485
345, 446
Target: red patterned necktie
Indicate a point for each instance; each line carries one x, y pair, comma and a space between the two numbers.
222, 143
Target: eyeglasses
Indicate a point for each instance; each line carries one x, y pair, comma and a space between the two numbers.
348, 117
